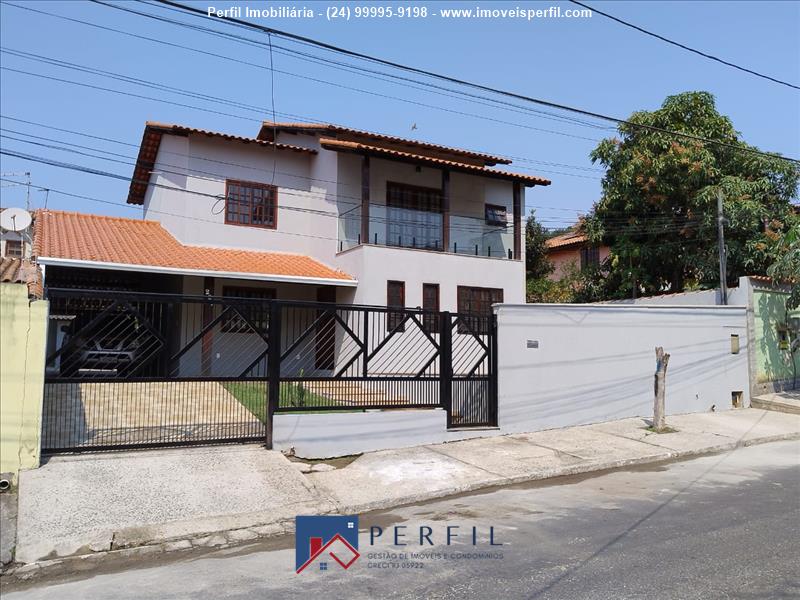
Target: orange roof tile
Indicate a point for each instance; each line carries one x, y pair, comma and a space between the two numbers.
116, 240
566, 239
151, 141
268, 128
21, 270
342, 145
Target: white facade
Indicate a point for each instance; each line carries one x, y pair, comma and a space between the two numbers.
571, 364
319, 215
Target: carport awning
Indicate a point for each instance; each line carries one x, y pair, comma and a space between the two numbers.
99, 242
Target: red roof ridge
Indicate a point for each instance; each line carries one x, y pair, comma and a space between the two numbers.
534, 180
266, 126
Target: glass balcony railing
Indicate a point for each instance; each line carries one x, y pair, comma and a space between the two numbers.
404, 228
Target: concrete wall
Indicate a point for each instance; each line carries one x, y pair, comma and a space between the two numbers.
774, 366
339, 434
23, 335
596, 362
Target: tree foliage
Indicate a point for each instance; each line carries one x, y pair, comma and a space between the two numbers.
537, 266
658, 208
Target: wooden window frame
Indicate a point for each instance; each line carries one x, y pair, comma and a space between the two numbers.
272, 189
477, 319
412, 199
413, 188
430, 320
495, 207
234, 324
590, 257
393, 319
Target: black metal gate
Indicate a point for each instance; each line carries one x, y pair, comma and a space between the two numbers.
135, 370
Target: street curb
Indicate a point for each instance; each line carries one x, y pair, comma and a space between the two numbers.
130, 543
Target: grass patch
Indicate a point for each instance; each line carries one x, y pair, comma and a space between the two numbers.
652, 429
253, 396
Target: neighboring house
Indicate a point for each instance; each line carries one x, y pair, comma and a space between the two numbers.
14, 244
571, 252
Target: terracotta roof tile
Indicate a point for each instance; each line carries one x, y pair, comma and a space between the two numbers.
566, 239
151, 141
19, 270
96, 238
268, 127
457, 166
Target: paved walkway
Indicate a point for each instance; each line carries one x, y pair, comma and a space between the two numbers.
172, 499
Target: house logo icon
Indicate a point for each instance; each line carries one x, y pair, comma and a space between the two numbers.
324, 541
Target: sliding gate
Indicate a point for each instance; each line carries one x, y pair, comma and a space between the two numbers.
136, 370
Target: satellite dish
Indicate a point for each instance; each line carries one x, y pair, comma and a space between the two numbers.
15, 219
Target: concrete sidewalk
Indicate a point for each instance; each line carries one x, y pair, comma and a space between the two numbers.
151, 501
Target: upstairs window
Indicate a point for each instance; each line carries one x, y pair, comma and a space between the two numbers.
14, 248
251, 204
496, 215
414, 216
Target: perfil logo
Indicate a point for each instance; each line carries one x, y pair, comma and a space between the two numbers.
322, 539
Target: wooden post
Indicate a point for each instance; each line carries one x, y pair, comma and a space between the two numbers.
517, 221
365, 200
446, 210
662, 360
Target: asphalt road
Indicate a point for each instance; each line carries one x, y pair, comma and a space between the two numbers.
721, 526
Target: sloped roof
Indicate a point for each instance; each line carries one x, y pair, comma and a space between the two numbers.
346, 146
115, 242
572, 238
20, 270
268, 129
151, 141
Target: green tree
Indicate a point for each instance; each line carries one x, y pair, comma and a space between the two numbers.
786, 266
658, 208
537, 265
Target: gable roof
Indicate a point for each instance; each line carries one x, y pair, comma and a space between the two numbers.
268, 129
572, 238
151, 142
95, 241
357, 147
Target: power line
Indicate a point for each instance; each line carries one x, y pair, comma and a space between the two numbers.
356, 199
478, 229
474, 85
685, 47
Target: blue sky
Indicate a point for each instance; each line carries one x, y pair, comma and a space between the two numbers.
594, 64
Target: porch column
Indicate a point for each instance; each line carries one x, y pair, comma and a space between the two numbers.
446, 210
517, 220
365, 200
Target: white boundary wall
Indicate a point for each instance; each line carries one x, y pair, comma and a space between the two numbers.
596, 362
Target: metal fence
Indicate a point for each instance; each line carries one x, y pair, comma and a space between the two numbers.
129, 370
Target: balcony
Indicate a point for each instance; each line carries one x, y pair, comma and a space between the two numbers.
425, 230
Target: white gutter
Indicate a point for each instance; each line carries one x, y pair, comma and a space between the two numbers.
91, 264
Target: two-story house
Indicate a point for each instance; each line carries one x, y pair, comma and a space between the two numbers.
304, 211
301, 212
